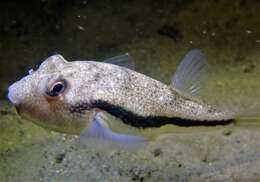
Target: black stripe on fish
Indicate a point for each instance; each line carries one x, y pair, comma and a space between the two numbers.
138, 121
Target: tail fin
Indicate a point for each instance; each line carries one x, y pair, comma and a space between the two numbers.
191, 77
234, 92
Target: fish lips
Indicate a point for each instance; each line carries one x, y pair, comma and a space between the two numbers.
13, 95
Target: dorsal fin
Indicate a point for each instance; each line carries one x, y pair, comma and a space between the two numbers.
191, 74
124, 60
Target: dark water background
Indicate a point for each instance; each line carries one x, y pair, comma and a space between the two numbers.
157, 34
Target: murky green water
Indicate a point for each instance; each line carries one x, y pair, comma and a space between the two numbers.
157, 34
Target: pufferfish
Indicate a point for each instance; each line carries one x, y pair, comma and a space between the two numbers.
109, 101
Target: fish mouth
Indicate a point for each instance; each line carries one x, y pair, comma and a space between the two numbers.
12, 94
11, 98
18, 109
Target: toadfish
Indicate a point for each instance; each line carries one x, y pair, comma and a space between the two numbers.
79, 97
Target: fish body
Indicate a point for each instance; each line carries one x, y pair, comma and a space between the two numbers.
69, 96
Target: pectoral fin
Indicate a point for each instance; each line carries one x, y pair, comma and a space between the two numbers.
98, 133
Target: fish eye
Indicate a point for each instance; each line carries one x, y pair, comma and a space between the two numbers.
57, 88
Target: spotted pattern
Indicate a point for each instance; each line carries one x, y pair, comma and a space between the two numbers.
136, 99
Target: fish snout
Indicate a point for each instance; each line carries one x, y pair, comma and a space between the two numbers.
14, 94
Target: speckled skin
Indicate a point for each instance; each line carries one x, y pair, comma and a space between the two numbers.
89, 81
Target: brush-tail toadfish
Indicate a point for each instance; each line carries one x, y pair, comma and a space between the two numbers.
79, 97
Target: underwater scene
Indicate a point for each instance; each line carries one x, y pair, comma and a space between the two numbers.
135, 90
